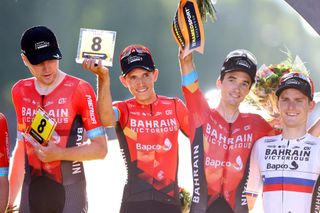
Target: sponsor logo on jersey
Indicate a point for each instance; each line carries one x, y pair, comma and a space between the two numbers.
28, 100
91, 109
68, 84
195, 173
167, 145
61, 115
281, 153
310, 143
154, 126
270, 140
247, 127
48, 103
135, 113
166, 102
169, 112
237, 165
7, 145
293, 166
62, 101
160, 175
221, 138
77, 165
158, 114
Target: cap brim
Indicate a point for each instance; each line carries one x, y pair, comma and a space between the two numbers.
39, 58
239, 70
137, 66
303, 90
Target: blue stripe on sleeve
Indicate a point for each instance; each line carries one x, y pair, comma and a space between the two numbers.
116, 112
189, 78
4, 172
99, 131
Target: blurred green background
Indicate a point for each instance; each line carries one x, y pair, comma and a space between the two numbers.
265, 27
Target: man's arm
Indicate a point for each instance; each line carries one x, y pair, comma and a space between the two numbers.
186, 64
16, 171
96, 149
4, 192
315, 129
104, 99
254, 179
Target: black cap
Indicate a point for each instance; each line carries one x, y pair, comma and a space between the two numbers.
240, 60
136, 56
297, 81
39, 44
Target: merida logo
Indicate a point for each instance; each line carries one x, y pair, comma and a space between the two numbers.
91, 109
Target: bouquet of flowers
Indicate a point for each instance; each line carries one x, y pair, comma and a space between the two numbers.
263, 94
206, 7
185, 200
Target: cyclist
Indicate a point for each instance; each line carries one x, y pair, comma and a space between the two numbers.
147, 127
221, 138
287, 165
4, 163
53, 175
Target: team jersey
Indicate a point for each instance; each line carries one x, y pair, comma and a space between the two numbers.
148, 137
72, 104
287, 170
220, 151
4, 146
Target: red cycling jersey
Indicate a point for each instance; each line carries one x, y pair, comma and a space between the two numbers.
148, 136
4, 146
220, 151
73, 105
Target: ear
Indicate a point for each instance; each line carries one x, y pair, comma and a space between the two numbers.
123, 81
25, 59
155, 75
312, 104
218, 83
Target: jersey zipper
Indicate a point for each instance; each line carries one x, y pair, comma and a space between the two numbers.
42, 101
226, 156
151, 110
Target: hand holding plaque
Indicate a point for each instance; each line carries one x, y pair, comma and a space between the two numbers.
41, 128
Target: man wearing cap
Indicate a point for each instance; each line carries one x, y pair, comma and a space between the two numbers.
4, 163
53, 175
221, 138
147, 127
286, 166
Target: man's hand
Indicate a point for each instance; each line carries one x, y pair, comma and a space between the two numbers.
12, 208
49, 153
96, 68
186, 63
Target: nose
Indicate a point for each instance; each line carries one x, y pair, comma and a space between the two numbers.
45, 65
291, 105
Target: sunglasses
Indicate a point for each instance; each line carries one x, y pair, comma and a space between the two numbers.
242, 53
134, 48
